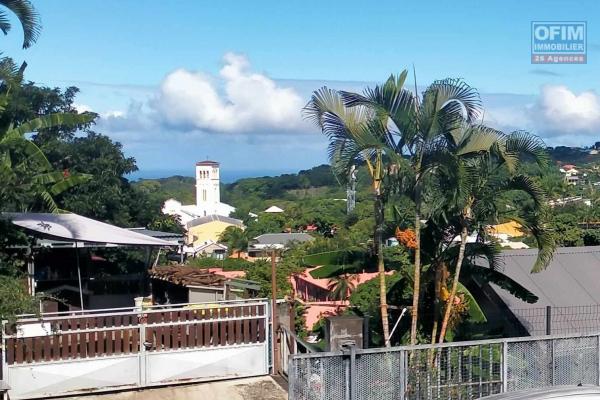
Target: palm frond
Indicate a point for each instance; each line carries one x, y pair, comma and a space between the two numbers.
478, 139
4, 23
544, 237
28, 17
456, 97
446, 105
389, 101
498, 278
523, 143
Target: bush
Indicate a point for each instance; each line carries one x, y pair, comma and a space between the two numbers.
228, 264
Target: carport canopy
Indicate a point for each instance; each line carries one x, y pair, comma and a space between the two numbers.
76, 228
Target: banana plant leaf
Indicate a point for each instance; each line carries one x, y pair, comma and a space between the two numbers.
475, 312
335, 263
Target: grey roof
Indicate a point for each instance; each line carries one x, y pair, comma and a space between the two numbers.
282, 238
572, 279
214, 217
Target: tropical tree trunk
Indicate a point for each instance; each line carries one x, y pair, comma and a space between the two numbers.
459, 261
379, 221
417, 271
437, 289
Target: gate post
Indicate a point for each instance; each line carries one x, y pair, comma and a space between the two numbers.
349, 349
142, 352
403, 379
4, 353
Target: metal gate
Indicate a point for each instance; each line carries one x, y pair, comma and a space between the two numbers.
62, 354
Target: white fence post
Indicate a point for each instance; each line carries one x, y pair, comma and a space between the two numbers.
504, 366
142, 353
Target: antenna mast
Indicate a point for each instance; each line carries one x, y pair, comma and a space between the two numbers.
351, 190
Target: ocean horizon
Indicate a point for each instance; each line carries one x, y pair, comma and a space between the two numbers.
227, 176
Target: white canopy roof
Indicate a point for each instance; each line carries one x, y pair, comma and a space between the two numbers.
273, 209
73, 227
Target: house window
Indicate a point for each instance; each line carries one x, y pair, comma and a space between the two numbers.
204, 194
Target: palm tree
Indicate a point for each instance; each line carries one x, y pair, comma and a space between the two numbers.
415, 127
341, 286
358, 135
28, 17
474, 157
235, 238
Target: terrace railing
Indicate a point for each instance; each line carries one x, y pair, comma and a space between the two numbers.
463, 370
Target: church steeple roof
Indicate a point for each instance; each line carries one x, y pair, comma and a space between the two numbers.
208, 163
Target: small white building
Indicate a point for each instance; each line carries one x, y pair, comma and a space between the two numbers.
274, 210
208, 196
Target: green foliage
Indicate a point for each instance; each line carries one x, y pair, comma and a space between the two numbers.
567, 231
166, 223
182, 188
289, 263
365, 301
337, 262
591, 237
265, 223
235, 238
228, 264
300, 320
14, 299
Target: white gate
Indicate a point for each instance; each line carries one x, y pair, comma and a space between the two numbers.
63, 354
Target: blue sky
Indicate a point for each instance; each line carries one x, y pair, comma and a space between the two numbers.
180, 81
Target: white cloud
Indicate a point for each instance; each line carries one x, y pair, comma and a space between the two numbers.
81, 108
238, 101
508, 118
560, 111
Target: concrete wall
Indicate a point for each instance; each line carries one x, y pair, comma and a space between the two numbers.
197, 295
343, 329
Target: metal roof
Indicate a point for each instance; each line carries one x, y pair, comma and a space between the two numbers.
571, 279
214, 217
76, 228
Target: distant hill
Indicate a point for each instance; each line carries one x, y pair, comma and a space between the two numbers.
182, 188
574, 155
315, 183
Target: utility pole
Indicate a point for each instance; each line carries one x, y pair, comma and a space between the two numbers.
274, 325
